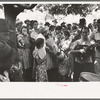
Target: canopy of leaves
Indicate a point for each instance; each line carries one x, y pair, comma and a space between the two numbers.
65, 9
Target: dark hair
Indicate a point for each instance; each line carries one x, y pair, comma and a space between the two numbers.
69, 25
52, 28
39, 42
95, 20
82, 22
63, 24
58, 28
90, 25
32, 23
26, 28
47, 24
66, 33
98, 21
74, 27
35, 21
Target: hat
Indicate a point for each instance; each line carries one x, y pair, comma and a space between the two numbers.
6, 52
3, 26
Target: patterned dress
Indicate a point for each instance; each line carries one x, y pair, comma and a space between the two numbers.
24, 51
41, 73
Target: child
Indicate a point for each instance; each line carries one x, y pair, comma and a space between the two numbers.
24, 52
40, 56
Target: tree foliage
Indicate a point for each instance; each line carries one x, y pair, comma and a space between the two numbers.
65, 9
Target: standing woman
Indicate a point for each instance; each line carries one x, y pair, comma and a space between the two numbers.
24, 52
40, 56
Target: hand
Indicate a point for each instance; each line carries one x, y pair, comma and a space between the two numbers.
69, 53
5, 78
72, 75
92, 42
82, 50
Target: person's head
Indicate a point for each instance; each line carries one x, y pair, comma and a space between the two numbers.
24, 30
82, 22
66, 34
7, 56
52, 28
19, 24
69, 26
90, 26
39, 43
27, 22
63, 24
4, 31
35, 24
55, 21
47, 25
74, 27
58, 31
43, 31
85, 32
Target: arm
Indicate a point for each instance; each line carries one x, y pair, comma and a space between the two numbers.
75, 51
91, 36
72, 48
39, 61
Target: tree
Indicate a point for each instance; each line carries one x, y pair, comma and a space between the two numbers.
11, 11
65, 9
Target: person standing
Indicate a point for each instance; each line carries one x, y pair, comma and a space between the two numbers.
40, 56
96, 37
24, 52
82, 63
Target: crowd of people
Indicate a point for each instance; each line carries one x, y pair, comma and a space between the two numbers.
50, 53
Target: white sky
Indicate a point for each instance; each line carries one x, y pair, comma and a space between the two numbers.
40, 17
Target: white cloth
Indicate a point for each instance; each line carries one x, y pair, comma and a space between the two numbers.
39, 52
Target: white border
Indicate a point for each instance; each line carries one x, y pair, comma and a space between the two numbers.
43, 2
50, 90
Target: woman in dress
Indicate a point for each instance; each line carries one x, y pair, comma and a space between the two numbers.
40, 57
24, 52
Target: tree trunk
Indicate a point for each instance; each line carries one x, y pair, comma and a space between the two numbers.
11, 13
10, 18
